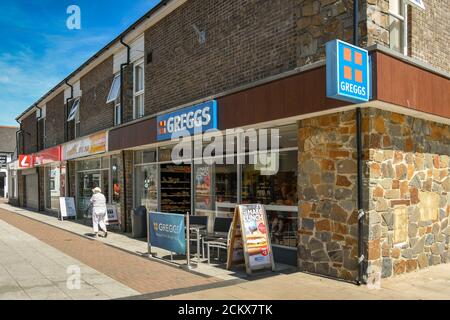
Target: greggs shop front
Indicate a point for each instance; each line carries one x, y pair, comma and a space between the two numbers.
240, 156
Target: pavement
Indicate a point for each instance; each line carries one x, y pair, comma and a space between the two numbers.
31, 269
39, 254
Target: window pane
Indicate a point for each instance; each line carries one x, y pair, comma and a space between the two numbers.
139, 78
105, 184
115, 90
117, 188
117, 114
88, 165
52, 191
278, 191
395, 34
147, 187
139, 106
394, 6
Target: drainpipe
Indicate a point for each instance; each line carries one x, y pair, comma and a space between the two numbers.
18, 132
361, 213
121, 78
66, 112
37, 149
359, 147
122, 107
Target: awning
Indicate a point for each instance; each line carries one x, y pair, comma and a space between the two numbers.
73, 112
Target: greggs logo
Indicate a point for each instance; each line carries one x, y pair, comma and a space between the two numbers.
348, 72
352, 62
192, 120
166, 227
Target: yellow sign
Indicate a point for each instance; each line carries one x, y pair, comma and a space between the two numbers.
93, 144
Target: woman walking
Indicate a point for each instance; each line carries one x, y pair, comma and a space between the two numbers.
99, 211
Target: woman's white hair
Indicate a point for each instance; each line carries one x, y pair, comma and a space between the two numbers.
97, 190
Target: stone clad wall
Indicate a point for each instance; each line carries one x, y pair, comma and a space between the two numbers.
409, 199
328, 226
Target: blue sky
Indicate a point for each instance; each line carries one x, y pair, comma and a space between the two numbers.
37, 50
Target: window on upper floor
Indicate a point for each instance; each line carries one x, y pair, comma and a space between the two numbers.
398, 39
138, 90
114, 92
74, 115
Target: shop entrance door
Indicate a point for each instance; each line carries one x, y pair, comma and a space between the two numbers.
147, 186
31, 193
86, 182
175, 188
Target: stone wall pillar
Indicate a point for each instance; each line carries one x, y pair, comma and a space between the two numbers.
409, 193
327, 184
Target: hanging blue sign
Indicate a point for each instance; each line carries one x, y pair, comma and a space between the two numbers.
192, 120
348, 72
167, 231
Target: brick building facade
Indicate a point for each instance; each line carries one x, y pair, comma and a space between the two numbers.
264, 64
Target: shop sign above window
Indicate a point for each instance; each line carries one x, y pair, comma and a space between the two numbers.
93, 144
348, 72
190, 120
48, 156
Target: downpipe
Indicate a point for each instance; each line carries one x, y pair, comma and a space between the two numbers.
66, 112
37, 149
122, 107
66, 135
361, 214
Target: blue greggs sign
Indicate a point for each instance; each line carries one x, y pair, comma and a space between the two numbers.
348, 72
193, 120
167, 231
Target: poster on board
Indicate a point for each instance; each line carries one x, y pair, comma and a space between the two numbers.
250, 227
67, 207
112, 216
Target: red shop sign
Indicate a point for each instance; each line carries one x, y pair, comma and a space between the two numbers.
47, 156
26, 161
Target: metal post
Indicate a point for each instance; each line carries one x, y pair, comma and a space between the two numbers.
149, 245
188, 240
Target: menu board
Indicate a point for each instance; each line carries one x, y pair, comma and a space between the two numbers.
250, 227
67, 207
112, 216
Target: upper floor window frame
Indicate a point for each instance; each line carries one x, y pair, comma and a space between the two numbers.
138, 89
114, 91
398, 26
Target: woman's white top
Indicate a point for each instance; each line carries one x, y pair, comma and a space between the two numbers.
98, 201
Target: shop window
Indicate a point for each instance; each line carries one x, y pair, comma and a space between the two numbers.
116, 185
398, 26
53, 187
138, 90
145, 156
278, 192
146, 186
88, 165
